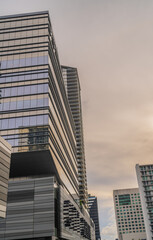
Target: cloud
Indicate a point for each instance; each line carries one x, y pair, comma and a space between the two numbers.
108, 231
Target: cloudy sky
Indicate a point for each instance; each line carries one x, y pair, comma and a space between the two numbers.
111, 44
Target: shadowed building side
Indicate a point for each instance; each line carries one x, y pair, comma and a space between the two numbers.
94, 214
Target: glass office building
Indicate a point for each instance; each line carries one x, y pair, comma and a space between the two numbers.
35, 113
129, 215
36, 119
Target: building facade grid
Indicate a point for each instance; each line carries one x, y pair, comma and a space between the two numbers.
129, 215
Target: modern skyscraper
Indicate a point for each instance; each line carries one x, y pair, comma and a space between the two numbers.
145, 182
73, 91
35, 113
5, 156
129, 215
93, 211
37, 121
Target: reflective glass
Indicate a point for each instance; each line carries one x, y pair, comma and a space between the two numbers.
23, 121
24, 62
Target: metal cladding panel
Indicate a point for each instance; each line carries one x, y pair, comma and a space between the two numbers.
75, 221
5, 155
30, 211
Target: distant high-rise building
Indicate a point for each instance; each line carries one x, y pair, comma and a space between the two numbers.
5, 156
145, 182
129, 215
73, 90
36, 119
94, 214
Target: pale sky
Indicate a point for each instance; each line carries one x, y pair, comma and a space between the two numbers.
111, 44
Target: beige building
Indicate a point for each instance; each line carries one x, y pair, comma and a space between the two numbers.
5, 156
129, 215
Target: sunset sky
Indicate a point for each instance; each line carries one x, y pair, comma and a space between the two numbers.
111, 44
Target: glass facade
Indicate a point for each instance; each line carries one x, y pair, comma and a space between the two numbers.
34, 109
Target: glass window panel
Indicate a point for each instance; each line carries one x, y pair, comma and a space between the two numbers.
46, 59
12, 105
34, 89
28, 61
25, 121
20, 90
46, 119
27, 90
32, 120
40, 103
7, 92
12, 123
27, 104
8, 79
18, 122
11, 141
16, 142
22, 62
10, 64
40, 88
14, 91
3, 64
34, 76
34, 61
34, 103
40, 120
28, 77
45, 87
45, 75
2, 80
46, 102
15, 79
16, 63
4, 124
19, 104
21, 78
41, 60
6, 106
